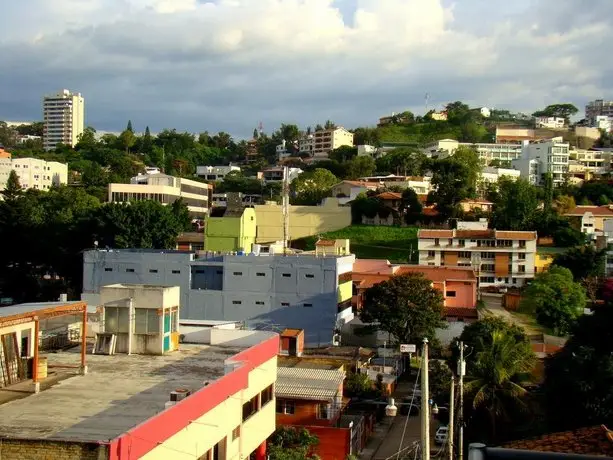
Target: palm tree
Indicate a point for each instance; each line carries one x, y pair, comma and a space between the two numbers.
493, 385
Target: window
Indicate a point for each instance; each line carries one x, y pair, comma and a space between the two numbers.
236, 302
176, 272
436, 242
464, 255
309, 275
450, 242
116, 319
266, 395
285, 304
522, 256
486, 279
450, 293
153, 270
462, 243
251, 407
146, 321
323, 411
129, 270
201, 272
431, 253
488, 267
260, 274
219, 272
522, 269
236, 433
308, 305
286, 407
238, 273
259, 302
287, 275
108, 269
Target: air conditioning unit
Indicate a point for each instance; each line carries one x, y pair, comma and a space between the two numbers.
179, 395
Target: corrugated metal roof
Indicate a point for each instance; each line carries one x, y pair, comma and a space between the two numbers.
306, 383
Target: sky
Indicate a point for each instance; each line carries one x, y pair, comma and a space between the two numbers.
226, 65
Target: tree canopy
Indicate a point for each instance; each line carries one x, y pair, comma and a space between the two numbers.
290, 443
557, 110
583, 261
406, 306
311, 187
515, 205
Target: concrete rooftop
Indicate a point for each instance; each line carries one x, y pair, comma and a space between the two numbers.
118, 393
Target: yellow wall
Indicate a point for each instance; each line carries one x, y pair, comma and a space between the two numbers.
542, 262
303, 220
201, 435
345, 291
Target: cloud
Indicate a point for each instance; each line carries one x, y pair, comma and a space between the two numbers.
227, 64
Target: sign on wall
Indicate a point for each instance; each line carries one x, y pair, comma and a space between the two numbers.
407, 348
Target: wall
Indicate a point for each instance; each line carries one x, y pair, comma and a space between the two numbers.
24, 449
21, 330
193, 426
345, 291
542, 262
465, 294
303, 220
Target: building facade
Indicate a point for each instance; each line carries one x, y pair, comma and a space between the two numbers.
275, 174
319, 143
501, 258
598, 107
550, 122
487, 152
39, 174
63, 119
166, 190
266, 291
214, 173
546, 156
234, 231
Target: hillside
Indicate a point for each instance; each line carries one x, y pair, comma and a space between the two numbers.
397, 244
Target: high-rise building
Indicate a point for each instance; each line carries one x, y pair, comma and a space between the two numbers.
599, 107
63, 117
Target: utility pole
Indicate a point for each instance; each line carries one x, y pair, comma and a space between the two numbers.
461, 372
425, 405
451, 416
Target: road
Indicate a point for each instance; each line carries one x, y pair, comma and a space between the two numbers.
493, 304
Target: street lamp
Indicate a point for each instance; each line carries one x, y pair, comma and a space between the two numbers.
391, 410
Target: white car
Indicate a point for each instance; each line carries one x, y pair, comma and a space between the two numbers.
441, 435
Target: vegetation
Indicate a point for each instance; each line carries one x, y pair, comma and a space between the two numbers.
583, 261
405, 306
555, 300
289, 443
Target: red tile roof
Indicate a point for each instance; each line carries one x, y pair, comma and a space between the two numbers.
486, 234
435, 234
372, 266
508, 235
358, 183
474, 234
325, 243
596, 440
434, 274
389, 196
604, 211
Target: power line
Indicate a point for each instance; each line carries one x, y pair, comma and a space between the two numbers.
409, 414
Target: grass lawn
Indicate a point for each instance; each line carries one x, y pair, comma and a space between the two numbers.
396, 244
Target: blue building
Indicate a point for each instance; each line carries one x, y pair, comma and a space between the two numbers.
265, 291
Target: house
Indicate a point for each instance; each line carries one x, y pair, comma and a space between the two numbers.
275, 174
215, 173
348, 190
590, 219
501, 258
338, 247
439, 116
469, 205
419, 184
211, 399
232, 228
487, 152
550, 122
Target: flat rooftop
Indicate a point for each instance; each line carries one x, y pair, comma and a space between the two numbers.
118, 393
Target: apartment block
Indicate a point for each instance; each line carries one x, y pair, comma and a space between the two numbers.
265, 291
215, 173
598, 107
604, 122
492, 175
321, 142
33, 173
166, 190
211, 398
63, 118
487, 152
546, 156
585, 164
500, 258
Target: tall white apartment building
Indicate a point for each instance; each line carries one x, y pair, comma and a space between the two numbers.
538, 158
487, 152
321, 142
64, 118
33, 172
500, 258
596, 108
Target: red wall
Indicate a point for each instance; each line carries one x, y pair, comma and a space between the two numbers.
146, 436
334, 443
305, 413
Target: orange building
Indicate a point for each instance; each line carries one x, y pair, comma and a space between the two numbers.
457, 284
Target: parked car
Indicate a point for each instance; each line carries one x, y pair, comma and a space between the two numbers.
409, 408
441, 434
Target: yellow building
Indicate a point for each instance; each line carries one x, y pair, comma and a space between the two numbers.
233, 231
542, 261
303, 220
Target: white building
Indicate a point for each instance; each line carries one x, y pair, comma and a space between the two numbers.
487, 152
63, 118
491, 175
321, 142
588, 163
550, 122
596, 108
275, 174
501, 258
538, 158
164, 189
214, 173
367, 151
604, 123
33, 172
420, 184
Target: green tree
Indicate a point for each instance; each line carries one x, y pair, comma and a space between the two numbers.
557, 110
358, 385
127, 140
515, 205
583, 261
410, 206
405, 306
343, 153
147, 142
492, 385
363, 166
329, 124
310, 188
439, 379
403, 161
290, 443
12, 189
366, 136
579, 378
555, 300
129, 127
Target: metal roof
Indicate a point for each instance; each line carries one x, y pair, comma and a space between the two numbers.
307, 383
33, 307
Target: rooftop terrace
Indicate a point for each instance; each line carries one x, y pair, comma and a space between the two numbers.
118, 393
